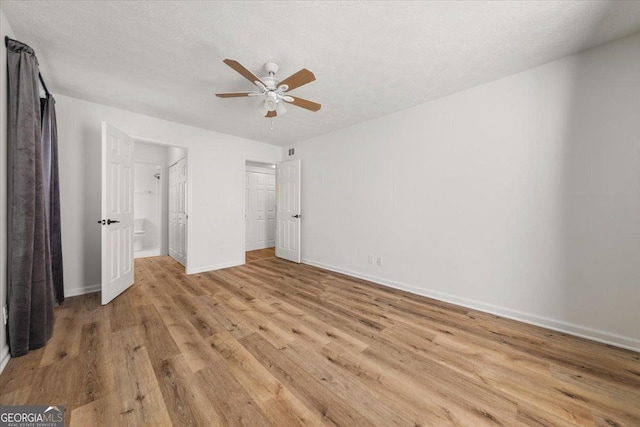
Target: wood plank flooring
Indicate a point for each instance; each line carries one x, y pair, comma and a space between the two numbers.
280, 344
260, 254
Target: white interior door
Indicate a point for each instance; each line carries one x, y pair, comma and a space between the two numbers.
288, 211
260, 210
178, 211
117, 212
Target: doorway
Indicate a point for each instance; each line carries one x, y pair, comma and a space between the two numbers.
259, 208
151, 200
148, 200
272, 210
120, 218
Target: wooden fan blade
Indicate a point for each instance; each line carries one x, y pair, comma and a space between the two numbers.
271, 114
304, 103
298, 79
238, 67
232, 94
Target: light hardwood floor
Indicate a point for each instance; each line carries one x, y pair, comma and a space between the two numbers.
260, 254
275, 343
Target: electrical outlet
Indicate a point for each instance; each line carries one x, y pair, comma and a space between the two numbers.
370, 259
379, 261
5, 315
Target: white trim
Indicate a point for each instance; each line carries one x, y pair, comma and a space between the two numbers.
74, 292
152, 253
215, 267
533, 319
4, 357
265, 170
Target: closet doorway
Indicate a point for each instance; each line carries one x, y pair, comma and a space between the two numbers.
260, 206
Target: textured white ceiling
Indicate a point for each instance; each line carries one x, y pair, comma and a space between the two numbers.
164, 59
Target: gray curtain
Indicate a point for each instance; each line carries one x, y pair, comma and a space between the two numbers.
52, 191
31, 204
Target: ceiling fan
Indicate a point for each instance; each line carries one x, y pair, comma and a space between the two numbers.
272, 89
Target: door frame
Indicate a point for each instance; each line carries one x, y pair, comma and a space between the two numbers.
188, 156
242, 205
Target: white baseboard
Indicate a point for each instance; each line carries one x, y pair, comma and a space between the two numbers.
148, 253
213, 267
533, 319
4, 357
265, 246
73, 292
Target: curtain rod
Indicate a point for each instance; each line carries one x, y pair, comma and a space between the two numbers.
44, 86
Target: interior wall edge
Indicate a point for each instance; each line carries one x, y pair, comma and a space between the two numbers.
603, 337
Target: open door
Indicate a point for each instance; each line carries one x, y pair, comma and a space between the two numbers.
117, 212
178, 211
288, 184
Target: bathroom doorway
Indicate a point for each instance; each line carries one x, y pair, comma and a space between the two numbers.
151, 198
148, 180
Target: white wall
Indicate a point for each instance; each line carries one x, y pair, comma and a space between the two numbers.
216, 176
519, 197
5, 30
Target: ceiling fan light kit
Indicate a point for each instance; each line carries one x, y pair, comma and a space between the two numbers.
270, 100
272, 89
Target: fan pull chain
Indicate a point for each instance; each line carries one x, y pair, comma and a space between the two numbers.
271, 124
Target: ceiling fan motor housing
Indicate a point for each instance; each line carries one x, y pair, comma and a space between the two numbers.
269, 80
271, 68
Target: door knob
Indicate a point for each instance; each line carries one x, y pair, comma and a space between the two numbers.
295, 216
109, 222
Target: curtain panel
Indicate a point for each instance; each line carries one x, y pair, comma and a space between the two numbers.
33, 209
52, 191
